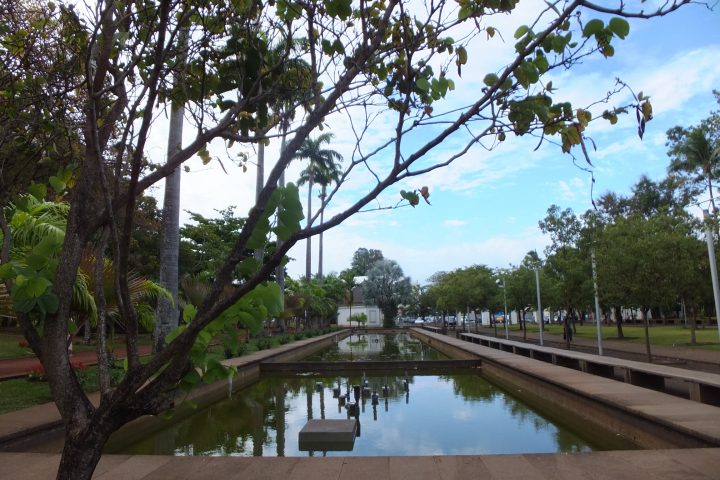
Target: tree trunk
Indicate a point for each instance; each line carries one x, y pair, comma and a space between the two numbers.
167, 313
280, 270
104, 360
308, 247
259, 183
87, 333
567, 327
643, 312
618, 322
320, 240
693, 326
81, 454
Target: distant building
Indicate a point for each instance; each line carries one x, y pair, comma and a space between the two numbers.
359, 305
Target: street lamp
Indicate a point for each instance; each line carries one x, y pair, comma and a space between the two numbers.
540, 312
501, 284
713, 266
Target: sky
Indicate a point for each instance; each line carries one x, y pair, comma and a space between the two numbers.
486, 205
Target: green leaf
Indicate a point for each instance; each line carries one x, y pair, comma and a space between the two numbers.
462, 55
7, 271
490, 79
204, 156
412, 198
174, 333
189, 313
36, 262
248, 267
607, 50
522, 30
36, 286
619, 26
49, 303
541, 63
190, 380
38, 191
57, 184
226, 105
216, 371
423, 84
583, 117
593, 27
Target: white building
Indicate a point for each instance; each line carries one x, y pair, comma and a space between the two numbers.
374, 315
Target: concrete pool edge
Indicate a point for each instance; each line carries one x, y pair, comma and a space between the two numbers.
649, 418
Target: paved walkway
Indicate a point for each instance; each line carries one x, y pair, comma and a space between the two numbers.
618, 347
686, 464
19, 367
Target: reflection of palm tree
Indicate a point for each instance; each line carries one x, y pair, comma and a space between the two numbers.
322, 169
279, 394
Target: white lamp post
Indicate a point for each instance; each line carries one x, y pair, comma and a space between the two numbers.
713, 266
540, 312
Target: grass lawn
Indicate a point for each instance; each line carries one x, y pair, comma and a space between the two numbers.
21, 393
667, 335
10, 345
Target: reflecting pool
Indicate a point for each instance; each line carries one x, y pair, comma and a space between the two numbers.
453, 414
378, 347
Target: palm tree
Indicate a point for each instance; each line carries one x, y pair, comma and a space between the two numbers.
329, 175
167, 312
321, 164
696, 153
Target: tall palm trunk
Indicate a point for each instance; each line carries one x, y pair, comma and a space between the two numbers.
167, 313
280, 270
259, 183
320, 241
308, 248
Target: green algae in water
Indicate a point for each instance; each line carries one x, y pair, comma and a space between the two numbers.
454, 414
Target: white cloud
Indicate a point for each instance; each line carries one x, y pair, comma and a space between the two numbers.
569, 190
455, 223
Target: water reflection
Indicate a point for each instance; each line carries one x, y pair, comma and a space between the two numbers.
450, 414
375, 346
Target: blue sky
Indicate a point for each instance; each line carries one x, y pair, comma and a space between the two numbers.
486, 205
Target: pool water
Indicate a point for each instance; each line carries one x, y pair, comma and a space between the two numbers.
378, 347
454, 414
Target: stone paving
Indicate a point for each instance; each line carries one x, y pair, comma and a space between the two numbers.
685, 464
